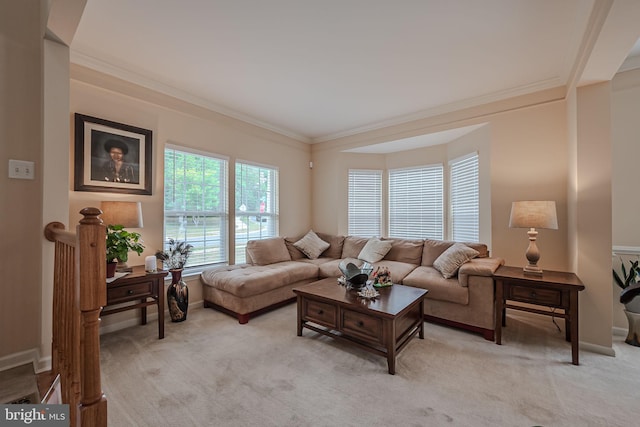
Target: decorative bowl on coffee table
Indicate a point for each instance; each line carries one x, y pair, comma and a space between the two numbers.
356, 273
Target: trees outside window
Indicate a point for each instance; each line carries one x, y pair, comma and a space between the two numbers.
256, 210
196, 204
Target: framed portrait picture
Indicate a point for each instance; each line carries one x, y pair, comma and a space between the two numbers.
112, 157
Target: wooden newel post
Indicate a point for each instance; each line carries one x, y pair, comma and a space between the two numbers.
92, 284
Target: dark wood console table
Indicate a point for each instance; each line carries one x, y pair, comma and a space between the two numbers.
553, 289
140, 287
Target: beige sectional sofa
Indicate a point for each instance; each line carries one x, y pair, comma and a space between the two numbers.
275, 266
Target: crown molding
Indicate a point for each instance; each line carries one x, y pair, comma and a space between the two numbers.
631, 63
595, 23
448, 108
93, 63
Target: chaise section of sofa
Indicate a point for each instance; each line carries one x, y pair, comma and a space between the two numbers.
263, 283
245, 290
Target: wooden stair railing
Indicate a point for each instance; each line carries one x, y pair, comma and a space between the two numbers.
79, 293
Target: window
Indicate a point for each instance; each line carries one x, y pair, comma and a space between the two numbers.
195, 204
365, 203
416, 202
256, 205
464, 203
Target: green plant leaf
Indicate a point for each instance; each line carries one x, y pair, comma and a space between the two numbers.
120, 242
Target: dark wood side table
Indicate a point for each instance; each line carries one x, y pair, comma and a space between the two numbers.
553, 289
140, 287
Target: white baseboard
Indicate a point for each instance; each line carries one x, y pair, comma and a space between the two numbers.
44, 364
619, 332
626, 250
594, 348
18, 359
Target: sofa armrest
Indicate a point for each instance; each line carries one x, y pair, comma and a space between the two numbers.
478, 267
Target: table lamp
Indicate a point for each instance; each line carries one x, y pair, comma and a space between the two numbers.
533, 214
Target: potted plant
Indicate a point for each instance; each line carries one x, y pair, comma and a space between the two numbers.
175, 258
630, 290
628, 284
119, 243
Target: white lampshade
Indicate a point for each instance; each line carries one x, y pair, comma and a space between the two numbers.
126, 214
533, 214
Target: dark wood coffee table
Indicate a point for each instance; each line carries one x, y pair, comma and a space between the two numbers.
383, 326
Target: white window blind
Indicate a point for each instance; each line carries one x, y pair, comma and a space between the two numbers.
464, 200
257, 209
416, 202
195, 204
365, 203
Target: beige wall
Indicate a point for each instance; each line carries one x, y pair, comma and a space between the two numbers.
525, 151
20, 200
593, 212
535, 153
625, 104
186, 125
557, 150
55, 201
332, 166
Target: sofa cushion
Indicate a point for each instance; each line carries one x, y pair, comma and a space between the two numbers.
353, 246
267, 251
331, 269
311, 245
295, 253
434, 248
439, 288
450, 260
405, 250
399, 270
374, 250
244, 280
335, 245
333, 251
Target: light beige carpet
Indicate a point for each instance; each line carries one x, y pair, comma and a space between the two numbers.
211, 371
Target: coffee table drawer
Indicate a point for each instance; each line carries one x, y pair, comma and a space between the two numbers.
550, 297
321, 313
361, 325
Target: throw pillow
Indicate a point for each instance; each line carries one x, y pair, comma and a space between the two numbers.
267, 251
450, 260
311, 245
374, 250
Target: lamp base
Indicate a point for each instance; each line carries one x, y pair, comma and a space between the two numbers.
532, 270
533, 255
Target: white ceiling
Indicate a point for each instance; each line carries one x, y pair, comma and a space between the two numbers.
317, 70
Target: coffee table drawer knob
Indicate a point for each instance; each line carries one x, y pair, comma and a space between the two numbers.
360, 323
320, 311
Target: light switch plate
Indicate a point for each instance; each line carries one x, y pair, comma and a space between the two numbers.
21, 169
